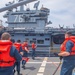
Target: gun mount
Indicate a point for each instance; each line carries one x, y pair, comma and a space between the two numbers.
11, 6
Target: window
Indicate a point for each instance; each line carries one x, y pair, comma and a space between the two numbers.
31, 41
40, 41
26, 34
41, 34
47, 39
32, 34
34, 38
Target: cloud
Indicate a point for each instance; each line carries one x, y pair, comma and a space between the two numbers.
62, 12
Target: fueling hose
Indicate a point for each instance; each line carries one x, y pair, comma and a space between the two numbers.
59, 63
57, 67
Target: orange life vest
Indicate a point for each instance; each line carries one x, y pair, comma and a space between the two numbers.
63, 45
17, 45
24, 45
33, 46
5, 59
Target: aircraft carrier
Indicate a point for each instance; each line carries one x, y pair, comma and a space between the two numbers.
31, 25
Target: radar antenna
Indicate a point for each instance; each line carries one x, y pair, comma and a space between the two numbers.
36, 5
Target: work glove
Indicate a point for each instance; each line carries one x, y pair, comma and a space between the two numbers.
60, 57
56, 54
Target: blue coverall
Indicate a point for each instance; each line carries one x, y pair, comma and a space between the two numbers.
33, 53
25, 54
68, 61
9, 70
17, 64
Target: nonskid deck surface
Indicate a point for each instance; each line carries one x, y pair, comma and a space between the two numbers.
41, 66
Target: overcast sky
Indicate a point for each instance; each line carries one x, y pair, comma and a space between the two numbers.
61, 11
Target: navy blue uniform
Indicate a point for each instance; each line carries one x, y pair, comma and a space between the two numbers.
17, 64
33, 53
9, 70
25, 54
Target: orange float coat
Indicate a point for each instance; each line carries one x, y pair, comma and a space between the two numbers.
5, 59
63, 45
17, 45
24, 45
33, 46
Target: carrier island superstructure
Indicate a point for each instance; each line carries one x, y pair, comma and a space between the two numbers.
30, 25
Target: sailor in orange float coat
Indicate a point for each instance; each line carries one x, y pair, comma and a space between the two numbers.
68, 54
7, 51
33, 50
19, 48
25, 53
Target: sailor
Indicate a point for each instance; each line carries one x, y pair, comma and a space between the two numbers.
19, 48
8, 55
25, 53
68, 54
33, 50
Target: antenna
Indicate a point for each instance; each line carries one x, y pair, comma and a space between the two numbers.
27, 7
67, 27
36, 5
9, 3
13, 1
61, 27
49, 22
74, 25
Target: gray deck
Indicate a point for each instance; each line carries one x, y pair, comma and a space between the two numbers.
35, 67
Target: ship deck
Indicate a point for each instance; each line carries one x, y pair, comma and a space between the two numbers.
41, 66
